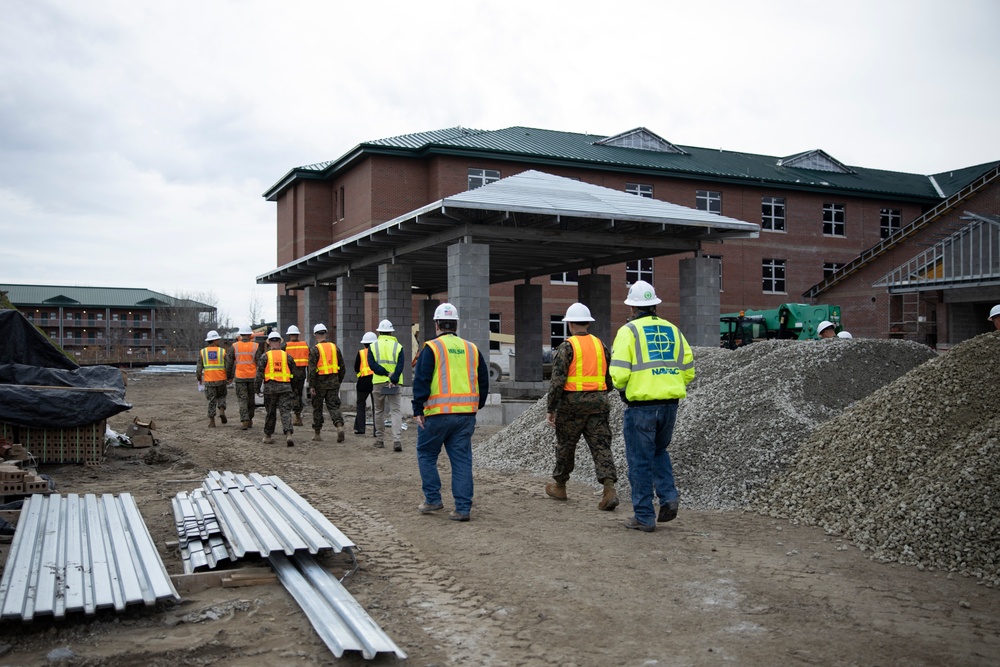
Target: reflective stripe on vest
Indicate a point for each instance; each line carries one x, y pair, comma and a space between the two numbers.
213, 364
386, 350
327, 364
366, 370
277, 367
589, 368
455, 383
299, 351
246, 367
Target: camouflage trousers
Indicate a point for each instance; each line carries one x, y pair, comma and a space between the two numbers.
216, 395
328, 394
246, 399
275, 403
298, 384
597, 432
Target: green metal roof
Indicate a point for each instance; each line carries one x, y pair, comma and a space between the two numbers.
93, 297
539, 147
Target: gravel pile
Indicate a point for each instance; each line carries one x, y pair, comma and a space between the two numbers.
746, 413
912, 472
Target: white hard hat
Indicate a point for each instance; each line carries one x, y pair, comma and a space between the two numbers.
994, 312
369, 337
385, 326
319, 328
845, 334
578, 312
824, 325
245, 330
273, 335
292, 330
213, 335
641, 293
446, 311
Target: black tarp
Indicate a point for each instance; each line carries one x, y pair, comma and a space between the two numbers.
78, 395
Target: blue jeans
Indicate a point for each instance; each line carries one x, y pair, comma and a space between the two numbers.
455, 433
648, 430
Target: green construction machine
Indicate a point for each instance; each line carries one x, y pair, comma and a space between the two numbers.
793, 321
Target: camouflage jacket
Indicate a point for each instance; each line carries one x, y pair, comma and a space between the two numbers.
580, 402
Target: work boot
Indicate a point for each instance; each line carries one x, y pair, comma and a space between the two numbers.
222, 416
288, 440
668, 511
268, 440
244, 425
340, 433
298, 419
316, 436
397, 446
609, 500
211, 422
556, 490
379, 444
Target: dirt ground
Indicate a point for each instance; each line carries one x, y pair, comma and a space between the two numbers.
529, 581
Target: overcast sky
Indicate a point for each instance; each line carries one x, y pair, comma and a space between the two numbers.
137, 136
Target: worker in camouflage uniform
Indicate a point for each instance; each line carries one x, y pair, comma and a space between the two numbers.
299, 351
326, 371
274, 381
241, 370
578, 405
211, 372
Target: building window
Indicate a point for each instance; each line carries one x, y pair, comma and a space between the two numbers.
54, 334
558, 332
718, 257
641, 189
494, 329
341, 203
114, 317
639, 269
833, 220
100, 317
890, 220
772, 214
145, 317
830, 268
774, 276
709, 200
565, 278
100, 334
481, 177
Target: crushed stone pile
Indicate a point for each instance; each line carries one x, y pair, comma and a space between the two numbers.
745, 414
912, 472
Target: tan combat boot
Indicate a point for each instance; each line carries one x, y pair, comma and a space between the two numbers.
288, 440
316, 437
609, 500
298, 420
268, 440
244, 425
222, 416
211, 422
340, 433
556, 490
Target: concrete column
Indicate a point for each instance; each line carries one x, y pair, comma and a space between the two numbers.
350, 317
469, 291
395, 303
594, 291
317, 309
288, 312
528, 333
699, 301
427, 321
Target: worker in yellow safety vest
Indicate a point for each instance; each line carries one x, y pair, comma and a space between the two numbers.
578, 405
386, 361
451, 383
210, 372
651, 366
241, 369
299, 351
363, 388
274, 381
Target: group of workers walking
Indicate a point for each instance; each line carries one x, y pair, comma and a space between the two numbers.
650, 364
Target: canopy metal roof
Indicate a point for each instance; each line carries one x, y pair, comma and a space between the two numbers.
536, 224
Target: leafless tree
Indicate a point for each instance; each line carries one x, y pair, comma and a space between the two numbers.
256, 311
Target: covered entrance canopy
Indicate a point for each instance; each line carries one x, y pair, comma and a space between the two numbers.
535, 224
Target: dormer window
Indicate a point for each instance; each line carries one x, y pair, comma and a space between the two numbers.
816, 160
641, 139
